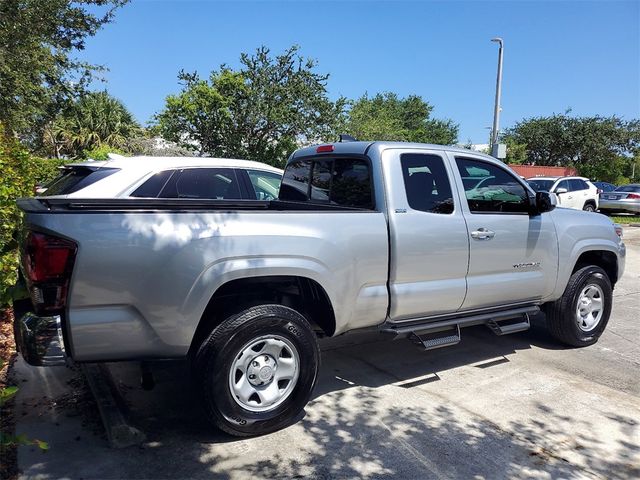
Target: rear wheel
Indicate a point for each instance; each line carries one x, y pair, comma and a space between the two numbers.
589, 207
257, 370
579, 317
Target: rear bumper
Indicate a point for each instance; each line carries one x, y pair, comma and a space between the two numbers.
620, 206
39, 339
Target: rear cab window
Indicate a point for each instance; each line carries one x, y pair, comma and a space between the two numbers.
75, 178
345, 182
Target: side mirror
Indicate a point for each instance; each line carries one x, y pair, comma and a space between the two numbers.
561, 190
545, 202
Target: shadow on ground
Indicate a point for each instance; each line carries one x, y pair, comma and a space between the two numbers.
378, 411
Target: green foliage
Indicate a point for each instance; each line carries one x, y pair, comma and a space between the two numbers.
385, 116
20, 174
38, 75
96, 120
102, 152
259, 112
601, 148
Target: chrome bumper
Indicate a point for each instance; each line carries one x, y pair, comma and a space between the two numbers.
39, 339
620, 206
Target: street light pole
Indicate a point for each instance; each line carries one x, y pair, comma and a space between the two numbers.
496, 110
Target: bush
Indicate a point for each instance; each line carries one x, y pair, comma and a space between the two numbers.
20, 174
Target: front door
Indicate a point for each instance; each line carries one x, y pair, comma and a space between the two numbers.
513, 256
428, 235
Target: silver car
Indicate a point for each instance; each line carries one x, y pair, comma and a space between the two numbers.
622, 199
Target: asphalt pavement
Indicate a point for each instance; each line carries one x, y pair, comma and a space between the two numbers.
518, 406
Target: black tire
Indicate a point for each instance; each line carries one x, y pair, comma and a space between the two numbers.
589, 207
561, 315
215, 359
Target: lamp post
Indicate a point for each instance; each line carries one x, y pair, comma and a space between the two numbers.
496, 110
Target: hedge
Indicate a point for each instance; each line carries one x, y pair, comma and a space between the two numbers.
20, 172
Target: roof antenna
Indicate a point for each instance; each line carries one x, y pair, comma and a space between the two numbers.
346, 138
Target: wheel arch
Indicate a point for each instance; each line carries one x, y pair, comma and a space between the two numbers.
301, 293
604, 259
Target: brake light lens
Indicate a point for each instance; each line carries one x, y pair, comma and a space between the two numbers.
618, 229
600, 191
635, 196
47, 263
324, 149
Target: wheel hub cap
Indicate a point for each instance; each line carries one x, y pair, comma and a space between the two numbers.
261, 369
589, 307
264, 373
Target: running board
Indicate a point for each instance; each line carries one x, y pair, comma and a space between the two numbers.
432, 340
506, 327
446, 331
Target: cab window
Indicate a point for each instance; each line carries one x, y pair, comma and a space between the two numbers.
495, 191
426, 183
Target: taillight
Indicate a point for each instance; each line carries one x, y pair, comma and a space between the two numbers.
47, 263
633, 195
618, 229
600, 191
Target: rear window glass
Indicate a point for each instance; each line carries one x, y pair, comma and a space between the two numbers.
153, 186
629, 188
338, 181
74, 179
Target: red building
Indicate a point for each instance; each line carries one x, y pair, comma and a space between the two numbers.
528, 171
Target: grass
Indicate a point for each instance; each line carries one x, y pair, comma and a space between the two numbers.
624, 219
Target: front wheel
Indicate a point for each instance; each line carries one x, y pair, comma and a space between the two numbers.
257, 370
579, 317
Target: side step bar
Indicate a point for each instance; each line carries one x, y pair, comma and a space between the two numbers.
443, 333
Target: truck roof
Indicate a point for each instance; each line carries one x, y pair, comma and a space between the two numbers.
360, 148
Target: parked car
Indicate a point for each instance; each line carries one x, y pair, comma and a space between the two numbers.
381, 236
625, 199
605, 187
166, 177
572, 192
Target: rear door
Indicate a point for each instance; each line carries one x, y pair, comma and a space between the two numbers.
428, 235
580, 191
513, 256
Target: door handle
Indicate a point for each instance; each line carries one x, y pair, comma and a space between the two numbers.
569, 196
483, 234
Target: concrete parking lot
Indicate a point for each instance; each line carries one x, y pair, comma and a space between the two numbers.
517, 406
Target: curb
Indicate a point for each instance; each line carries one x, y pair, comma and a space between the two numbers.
119, 433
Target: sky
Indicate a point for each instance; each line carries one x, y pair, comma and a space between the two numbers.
582, 55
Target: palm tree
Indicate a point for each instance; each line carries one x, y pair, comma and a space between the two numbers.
95, 120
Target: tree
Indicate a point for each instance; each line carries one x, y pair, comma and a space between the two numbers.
38, 74
95, 120
262, 111
385, 116
599, 147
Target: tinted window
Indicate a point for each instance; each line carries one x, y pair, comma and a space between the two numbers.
564, 184
209, 183
577, 184
426, 183
540, 185
153, 186
341, 181
497, 191
321, 180
295, 183
265, 184
73, 179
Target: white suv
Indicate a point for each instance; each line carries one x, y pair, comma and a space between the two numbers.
166, 177
573, 192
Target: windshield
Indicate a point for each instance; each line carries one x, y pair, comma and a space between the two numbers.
541, 185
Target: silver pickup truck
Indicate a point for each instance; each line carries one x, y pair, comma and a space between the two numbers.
410, 240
